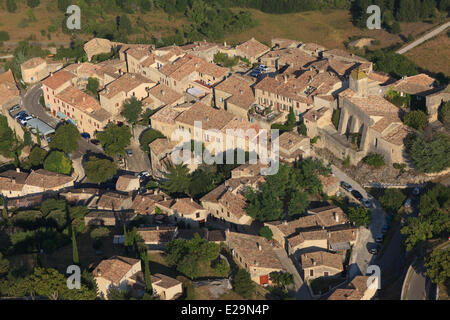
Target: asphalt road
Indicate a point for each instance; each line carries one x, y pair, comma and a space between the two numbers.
424, 38
417, 284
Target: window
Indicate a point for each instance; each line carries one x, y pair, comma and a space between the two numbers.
325, 273
197, 215
311, 273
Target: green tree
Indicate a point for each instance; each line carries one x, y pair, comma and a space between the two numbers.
375, 160
222, 268
395, 28
281, 279
392, 200
416, 119
4, 265
177, 179
27, 141
298, 203
114, 139
438, 266
75, 258
66, 138
132, 109
33, 3
99, 170
243, 284
92, 85
436, 199
148, 281
429, 155
11, 5
148, 137
99, 233
58, 162
37, 156
266, 233
444, 114
360, 216
7, 138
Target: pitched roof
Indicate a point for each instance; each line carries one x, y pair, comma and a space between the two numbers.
126, 83
165, 94
112, 200
114, 268
167, 115
234, 203
147, 202
58, 79
186, 65
186, 206
239, 89
12, 180
157, 234
32, 63
47, 179
79, 100
307, 236
124, 181
8, 86
209, 117
252, 48
415, 84
329, 216
256, 250
289, 228
287, 140
322, 258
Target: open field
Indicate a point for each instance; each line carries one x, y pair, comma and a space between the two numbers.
433, 55
329, 28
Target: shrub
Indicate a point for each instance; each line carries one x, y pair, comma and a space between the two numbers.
4, 36
375, 160
416, 119
243, 284
266, 233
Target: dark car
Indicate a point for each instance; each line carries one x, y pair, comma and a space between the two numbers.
95, 141
385, 229
346, 186
357, 195
379, 238
85, 135
255, 73
374, 250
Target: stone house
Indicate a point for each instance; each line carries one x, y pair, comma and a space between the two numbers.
42, 180
156, 238
252, 50
316, 118
293, 146
108, 218
80, 196
115, 272
162, 95
127, 86
97, 46
255, 254
307, 241
36, 69
112, 201
321, 264
127, 183
146, 204
9, 93
165, 287
357, 289
234, 95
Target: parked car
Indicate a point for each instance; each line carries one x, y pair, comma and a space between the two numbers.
366, 203
263, 67
20, 114
129, 152
14, 108
255, 73
385, 229
24, 121
95, 141
357, 195
85, 135
143, 174
346, 186
374, 250
379, 238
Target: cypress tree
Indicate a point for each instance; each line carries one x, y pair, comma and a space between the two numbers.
74, 248
5, 211
148, 280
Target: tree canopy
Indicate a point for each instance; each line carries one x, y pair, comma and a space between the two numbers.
132, 109
429, 155
416, 119
438, 266
178, 179
392, 199
360, 216
243, 284
114, 139
99, 170
66, 138
58, 162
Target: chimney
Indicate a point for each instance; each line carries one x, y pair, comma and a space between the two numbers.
285, 222
207, 119
240, 91
336, 216
225, 44
73, 100
192, 200
17, 169
285, 78
259, 246
84, 98
162, 92
314, 262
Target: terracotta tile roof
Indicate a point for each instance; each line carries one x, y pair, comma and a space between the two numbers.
322, 258
97, 43
146, 203
210, 117
288, 140
112, 201
310, 46
256, 250
344, 54
126, 83
157, 234
397, 136
161, 146
47, 179
79, 100
114, 268
252, 48
158, 279
165, 94
12, 180
167, 115
124, 181
188, 64
329, 216
315, 114
239, 89
234, 203
307, 236
345, 294
374, 105
292, 227
341, 236
415, 84
186, 206
296, 58
58, 79
32, 63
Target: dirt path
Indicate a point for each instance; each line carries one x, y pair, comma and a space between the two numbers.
424, 38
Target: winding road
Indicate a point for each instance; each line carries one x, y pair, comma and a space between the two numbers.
424, 38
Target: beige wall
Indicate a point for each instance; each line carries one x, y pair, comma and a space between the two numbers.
308, 246
319, 272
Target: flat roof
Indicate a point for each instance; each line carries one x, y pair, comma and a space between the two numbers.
40, 125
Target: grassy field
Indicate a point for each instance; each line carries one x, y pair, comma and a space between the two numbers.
433, 55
